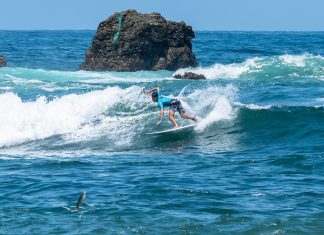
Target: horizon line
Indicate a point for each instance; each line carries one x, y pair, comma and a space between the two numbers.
198, 30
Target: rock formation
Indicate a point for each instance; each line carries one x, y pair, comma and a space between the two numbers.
190, 75
3, 61
131, 41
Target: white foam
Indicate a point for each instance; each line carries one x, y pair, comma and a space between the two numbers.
260, 65
231, 71
5, 88
214, 103
25, 75
52, 89
303, 60
257, 194
222, 111
19, 80
295, 60
319, 99
22, 121
117, 130
118, 127
253, 106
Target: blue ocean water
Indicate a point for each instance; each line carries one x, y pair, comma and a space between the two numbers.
253, 165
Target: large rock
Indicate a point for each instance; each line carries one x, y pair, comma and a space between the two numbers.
3, 61
145, 42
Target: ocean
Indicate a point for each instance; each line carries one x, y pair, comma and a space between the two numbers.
253, 165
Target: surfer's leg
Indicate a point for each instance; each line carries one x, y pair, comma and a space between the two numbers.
183, 114
172, 119
186, 116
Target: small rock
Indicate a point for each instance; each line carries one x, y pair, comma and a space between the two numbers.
3, 61
190, 75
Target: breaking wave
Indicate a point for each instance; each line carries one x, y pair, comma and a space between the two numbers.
115, 114
266, 67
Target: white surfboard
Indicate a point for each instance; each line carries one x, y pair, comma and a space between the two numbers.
173, 130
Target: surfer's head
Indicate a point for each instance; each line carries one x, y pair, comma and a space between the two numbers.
154, 96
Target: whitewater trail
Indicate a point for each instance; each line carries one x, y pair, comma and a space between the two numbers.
40, 119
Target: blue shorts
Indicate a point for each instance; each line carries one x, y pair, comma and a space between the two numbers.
176, 105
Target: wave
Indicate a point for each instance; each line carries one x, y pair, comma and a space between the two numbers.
282, 122
283, 66
121, 116
114, 114
27, 76
253, 106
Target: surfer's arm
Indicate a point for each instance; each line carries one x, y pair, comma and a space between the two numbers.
161, 116
150, 91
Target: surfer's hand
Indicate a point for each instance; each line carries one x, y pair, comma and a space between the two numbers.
159, 122
146, 92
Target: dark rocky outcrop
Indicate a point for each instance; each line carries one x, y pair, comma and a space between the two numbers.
190, 75
3, 61
145, 42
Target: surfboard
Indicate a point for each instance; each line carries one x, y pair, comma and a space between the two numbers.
173, 130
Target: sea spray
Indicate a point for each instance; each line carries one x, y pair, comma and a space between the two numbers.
213, 104
222, 110
40, 119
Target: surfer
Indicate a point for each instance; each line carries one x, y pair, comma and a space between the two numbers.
174, 104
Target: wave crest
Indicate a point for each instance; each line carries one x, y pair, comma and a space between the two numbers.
266, 67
